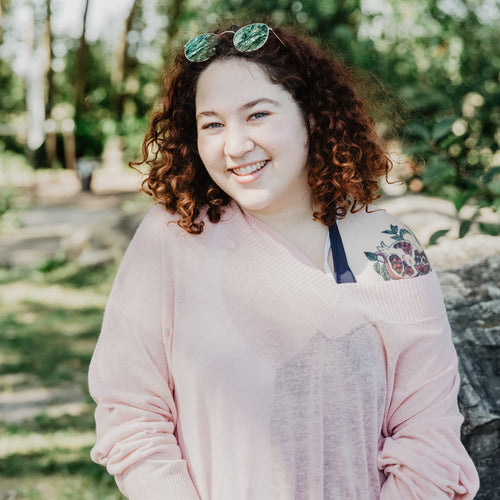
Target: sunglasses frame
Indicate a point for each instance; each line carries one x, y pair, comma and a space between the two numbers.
208, 42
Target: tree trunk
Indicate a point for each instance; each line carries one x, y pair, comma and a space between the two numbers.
174, 17
1, 15
35, 98
50, 53
50, 129
82, 66
122, 68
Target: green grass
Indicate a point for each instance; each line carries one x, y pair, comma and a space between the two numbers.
49, 322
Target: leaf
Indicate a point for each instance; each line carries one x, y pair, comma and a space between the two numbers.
449, 141
371, 256
435, 236
417, 149
460, 198
494, 187
442, 128
400, 236
491, 229
490, 174
496, 205
385, 273
418, 130
437, 172
465, 225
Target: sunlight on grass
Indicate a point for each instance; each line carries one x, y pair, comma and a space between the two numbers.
35, 442
49, 323
15, 293
59, 487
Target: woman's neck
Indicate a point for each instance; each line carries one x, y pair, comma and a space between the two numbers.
288, 218
299, 228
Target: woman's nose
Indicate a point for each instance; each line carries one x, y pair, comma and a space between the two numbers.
237, 142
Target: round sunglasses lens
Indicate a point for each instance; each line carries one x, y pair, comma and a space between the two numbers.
251, 37
200, 48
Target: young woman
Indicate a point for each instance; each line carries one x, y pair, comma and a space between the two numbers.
271, 334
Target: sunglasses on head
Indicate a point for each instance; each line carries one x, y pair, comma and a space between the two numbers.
247, 39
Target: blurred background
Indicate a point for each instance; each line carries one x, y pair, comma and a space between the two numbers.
78, 79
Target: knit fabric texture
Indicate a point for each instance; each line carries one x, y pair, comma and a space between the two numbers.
229, 367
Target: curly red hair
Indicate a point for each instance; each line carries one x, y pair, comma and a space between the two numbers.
345, 157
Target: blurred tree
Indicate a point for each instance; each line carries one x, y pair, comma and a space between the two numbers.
36, 50
82, 66
439, 60
49, 42
12, 99
94, 109
123, 64
447, 69
5, 6
175, 13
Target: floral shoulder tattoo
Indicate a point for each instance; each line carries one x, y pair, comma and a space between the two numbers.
401, 258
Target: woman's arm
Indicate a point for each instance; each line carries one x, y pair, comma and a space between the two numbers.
130, 380
421, 453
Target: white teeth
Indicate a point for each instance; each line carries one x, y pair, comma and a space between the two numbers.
249, 169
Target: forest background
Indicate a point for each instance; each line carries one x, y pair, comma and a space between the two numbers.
433, 67
70, 91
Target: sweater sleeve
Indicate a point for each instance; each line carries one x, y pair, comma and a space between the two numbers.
129, 377
421, 453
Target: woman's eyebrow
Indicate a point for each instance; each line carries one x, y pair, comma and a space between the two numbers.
246, 106
266, 100
205, 113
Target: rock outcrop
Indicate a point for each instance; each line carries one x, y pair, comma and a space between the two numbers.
472, 296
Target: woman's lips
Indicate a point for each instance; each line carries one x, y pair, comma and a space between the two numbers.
249, 169
249, 173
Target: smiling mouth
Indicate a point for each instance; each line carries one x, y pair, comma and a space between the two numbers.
250, 169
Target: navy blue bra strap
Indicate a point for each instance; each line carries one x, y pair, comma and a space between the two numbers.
341, 270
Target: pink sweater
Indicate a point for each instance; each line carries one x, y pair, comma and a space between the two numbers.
229, 367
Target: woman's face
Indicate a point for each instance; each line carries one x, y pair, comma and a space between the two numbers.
252, 138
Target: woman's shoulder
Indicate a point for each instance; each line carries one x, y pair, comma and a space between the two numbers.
158, 215
379, 247
159, 224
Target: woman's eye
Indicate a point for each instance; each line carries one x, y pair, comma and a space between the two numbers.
260, 114
211, 126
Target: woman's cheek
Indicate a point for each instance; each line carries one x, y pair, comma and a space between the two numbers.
210, 148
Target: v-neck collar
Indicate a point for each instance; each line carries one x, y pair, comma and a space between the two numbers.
287, 270
319, 299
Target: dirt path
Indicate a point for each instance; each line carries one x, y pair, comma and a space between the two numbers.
49, 206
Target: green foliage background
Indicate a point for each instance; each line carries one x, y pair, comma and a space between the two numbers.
429, 69
435, 66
